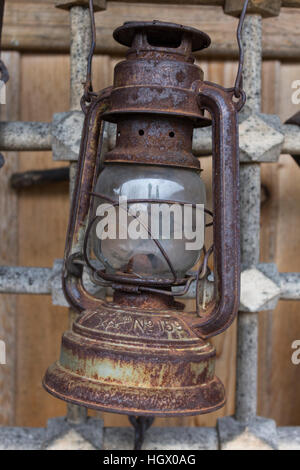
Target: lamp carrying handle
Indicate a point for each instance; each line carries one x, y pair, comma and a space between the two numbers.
90, 150
220, 103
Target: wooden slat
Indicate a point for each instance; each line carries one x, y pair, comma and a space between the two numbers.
34, 26
9, 246
285, 3
176, 2
43, 222
279, 386
43, 214
269, 222
291, 3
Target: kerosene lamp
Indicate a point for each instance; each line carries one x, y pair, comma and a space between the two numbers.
140, 353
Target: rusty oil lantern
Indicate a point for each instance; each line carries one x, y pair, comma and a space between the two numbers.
140, 354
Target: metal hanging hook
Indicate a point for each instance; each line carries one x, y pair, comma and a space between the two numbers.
238, 86
88, 86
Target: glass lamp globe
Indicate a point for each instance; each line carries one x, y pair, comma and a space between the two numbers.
134, 251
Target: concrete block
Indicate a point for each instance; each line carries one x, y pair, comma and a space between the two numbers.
265, 8
259, 434
99, 5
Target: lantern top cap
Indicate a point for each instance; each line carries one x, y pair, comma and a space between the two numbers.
169, 33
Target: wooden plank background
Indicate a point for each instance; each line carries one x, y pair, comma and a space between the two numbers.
9, 248
33, 226
37, 25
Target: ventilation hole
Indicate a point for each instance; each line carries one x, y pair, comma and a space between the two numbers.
235, 99
169, 39
141, 132
172, 134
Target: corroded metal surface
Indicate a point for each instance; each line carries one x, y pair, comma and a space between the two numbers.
226, 207
140, 354
152, 94
168, 141
136, 361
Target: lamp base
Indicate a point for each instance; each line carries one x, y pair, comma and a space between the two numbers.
134, 401
138, 362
